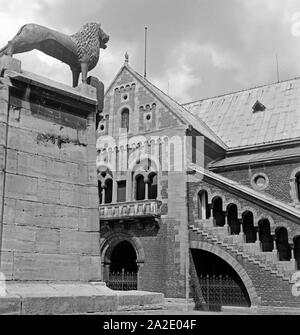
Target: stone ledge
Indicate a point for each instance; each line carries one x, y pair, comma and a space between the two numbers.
10, 63
74, 298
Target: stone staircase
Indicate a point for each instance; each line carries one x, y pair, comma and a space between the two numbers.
235, 244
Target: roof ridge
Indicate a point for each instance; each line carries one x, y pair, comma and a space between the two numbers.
240, 91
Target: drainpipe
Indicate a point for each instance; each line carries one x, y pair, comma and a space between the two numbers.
4, 178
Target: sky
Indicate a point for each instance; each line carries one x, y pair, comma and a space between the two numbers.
196, 48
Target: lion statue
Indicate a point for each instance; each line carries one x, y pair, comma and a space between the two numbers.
80, 51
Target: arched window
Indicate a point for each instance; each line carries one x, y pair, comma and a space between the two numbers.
265, 236
152, 188
248, 227
282, 244
298, 186
233, 220
125, 119
140, 188
297, 251
218, 212
108, 191
203, 206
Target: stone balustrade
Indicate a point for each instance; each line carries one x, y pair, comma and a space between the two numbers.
127, 210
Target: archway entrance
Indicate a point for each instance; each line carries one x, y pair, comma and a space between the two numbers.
219, 282
123, 270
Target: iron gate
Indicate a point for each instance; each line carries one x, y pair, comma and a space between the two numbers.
221, 291
122, 281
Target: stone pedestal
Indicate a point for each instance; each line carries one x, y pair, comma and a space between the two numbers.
9, 63
51, 228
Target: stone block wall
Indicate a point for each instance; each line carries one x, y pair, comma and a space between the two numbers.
50, 229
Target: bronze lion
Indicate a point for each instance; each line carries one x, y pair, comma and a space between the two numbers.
80, 51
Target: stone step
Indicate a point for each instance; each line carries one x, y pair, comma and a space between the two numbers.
250, 248
267, 261
74, 298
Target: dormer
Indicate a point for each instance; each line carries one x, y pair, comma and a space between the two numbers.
258, 107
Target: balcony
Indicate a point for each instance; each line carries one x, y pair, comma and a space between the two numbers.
131, 210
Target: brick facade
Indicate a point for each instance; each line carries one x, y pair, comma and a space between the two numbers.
163, 249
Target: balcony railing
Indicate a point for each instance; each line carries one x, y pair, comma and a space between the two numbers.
131, 210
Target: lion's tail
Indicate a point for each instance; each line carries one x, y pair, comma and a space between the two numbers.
3, 51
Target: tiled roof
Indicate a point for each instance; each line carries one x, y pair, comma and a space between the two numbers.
232, 117
182, 113
266, 155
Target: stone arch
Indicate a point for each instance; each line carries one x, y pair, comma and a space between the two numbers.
296, 242
270, 219
234, 202
203, 207
265, 235
218, 211
282, 244
233, 218
293, 190
123, 108
111, 241
200, 245
215, 195
203, 188
253, 211
249, 230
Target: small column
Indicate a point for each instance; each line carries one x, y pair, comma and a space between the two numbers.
211, 218
146, 188
293, 253
226, 222
257, 239
103, 195
242, 234
115, 191
293, 257
129, 187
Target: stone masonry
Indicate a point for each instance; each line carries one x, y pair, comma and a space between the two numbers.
50, 228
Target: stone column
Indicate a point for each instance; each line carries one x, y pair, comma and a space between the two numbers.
115, 191
226, 221
103, 195
146, 189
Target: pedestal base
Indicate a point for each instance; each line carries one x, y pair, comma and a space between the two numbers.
80, 298
9, 63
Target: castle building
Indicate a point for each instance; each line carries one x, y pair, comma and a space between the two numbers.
201, 200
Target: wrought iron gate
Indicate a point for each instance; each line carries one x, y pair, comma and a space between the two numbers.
122, 281
221, 291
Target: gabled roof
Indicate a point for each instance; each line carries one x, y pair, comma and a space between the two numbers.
181, 113
258, 157
232, 117
264, 200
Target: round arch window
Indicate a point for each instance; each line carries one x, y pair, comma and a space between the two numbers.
260, 181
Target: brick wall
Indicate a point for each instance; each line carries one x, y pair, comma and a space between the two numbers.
279, 178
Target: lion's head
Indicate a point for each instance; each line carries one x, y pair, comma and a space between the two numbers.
89, 39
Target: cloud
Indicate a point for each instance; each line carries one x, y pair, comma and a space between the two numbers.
201, 47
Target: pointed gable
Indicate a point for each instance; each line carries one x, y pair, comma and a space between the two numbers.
156, 109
